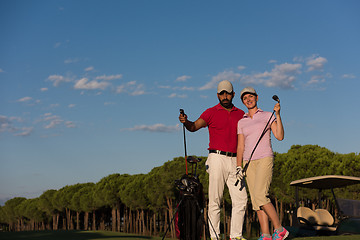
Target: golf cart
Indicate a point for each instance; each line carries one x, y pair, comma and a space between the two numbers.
309, 222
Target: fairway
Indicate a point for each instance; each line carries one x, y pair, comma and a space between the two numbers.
106, 235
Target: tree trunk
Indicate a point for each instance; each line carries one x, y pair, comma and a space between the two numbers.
86, 221
113, 219
131, 229
67, 212
281, 212
170, 209
64, 223
71, 222
224, 214
118, 210
126, 220
151, 226
102, 221
205, 220
77, 220
137, 222
165, 220
154, 224
94, 221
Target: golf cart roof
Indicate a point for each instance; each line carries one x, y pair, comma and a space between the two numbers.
326, 182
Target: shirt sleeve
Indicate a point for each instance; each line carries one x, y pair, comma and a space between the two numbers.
239, 128
206, 116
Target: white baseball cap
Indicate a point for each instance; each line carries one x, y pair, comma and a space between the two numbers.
225, 85
247, 90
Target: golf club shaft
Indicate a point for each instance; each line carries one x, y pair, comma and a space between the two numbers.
183, 113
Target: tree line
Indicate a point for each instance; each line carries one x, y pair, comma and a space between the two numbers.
146, 203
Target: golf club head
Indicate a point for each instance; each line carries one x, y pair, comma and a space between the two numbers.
276, 98
192, 159
242, 184
182, 111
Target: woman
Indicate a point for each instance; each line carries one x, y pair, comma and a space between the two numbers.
259, 172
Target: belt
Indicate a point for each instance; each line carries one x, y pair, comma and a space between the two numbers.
228, 154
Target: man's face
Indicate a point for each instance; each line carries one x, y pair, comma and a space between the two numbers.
225, 99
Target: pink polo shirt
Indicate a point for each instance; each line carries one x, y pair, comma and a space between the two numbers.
252, 128
222, 125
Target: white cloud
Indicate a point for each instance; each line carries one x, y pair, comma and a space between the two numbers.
88, 69
131, 88
85, 84
70, 124
183, 78
316, 63
186, 88
58, 44
24, 99
71, 60
53, 121
57, 79
316, 79
25, 131
175, 95
71, 105
1, 70
139, 90
226, 75
241, 68
44, 89
109, 77
282, 76
120, 89
350, 76
54, 105
7, 124
154, 128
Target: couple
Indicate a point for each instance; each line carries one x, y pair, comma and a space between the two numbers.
233, 135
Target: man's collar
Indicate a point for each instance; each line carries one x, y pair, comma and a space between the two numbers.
219, 107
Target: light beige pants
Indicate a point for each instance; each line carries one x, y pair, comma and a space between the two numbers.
258, 179
222, 169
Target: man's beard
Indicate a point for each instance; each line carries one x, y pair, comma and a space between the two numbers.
226, 103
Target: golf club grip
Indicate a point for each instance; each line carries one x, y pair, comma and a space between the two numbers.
244, 170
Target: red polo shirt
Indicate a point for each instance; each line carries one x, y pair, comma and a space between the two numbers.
222, 125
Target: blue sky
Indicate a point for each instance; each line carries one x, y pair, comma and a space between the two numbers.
91, 88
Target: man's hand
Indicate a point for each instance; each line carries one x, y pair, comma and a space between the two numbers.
239, 173
182, 118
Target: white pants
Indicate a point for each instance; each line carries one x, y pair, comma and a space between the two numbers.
222, 169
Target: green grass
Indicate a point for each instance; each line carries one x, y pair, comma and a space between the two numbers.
71, 235
107, 235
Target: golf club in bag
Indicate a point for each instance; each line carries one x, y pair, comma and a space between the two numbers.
276, 98
189, 219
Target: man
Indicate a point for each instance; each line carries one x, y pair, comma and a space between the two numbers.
260, 170
221, 121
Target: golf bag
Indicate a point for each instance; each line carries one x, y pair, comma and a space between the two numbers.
189, 220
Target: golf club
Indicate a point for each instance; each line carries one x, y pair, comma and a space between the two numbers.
183, 113
276, 98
